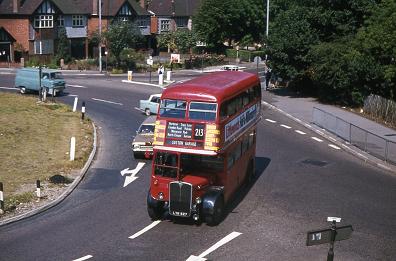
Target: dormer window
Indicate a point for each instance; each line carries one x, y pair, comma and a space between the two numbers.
77, 20
44, 21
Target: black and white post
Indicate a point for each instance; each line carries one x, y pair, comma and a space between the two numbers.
38, 189
83, 110
75, 104
1, 199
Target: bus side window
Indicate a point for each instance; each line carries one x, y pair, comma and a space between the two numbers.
245, 98
257, 91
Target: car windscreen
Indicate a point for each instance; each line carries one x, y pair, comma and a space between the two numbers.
146, 129
56, 75
173, 109
202, 111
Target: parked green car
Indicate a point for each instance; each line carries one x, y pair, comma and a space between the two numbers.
27, 79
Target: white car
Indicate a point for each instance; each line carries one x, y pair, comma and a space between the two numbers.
150, 106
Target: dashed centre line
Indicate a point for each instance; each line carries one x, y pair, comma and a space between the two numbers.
334, 146
107, 101
285, 126
76, 86
83, 258
145, 229
300, 132
317, 139
269, 120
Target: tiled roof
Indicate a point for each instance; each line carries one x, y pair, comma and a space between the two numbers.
182, 7
109, 7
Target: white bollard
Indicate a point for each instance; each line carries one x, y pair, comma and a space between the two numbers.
75, 104
72, 148
168, 75
38, 189
161, 79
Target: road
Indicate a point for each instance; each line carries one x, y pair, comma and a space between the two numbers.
301, 180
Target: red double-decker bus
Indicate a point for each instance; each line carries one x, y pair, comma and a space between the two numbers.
204, 145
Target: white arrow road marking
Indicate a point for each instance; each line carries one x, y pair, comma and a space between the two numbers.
83, 258
9, 88
76, 86
285, 126
272, 121
300, 132
107, 101
317, 139
225, 240
145, 229
133, 172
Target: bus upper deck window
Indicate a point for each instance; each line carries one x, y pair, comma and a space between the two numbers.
203, 111
173, 109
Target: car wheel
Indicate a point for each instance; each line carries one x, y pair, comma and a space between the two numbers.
22, 90
218, 212
147, 112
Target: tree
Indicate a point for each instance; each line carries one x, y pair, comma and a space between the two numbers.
63, 50
122, 35
229, 20
181, 40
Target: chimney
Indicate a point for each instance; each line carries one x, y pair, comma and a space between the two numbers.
94, 7
15, 6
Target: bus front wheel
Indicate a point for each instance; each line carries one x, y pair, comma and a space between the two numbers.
218, 213
155, 208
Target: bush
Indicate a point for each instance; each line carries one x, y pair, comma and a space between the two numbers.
197, 61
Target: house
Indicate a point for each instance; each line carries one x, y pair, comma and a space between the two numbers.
32, 27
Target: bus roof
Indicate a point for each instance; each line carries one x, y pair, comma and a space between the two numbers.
214, 87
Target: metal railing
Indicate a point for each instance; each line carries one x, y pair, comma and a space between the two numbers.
361, 138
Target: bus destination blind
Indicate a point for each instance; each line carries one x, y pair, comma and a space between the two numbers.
184, 134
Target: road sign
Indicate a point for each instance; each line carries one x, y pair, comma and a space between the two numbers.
323, 236
150, 61
257, 59
199, 43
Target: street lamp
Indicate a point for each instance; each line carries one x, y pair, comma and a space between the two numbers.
100, 36
266, 31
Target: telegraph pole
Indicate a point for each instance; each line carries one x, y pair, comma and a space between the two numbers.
100, 35
266, 31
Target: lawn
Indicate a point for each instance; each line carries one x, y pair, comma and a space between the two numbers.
35, 142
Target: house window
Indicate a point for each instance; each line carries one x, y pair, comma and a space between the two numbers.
77, 20
164, 25
123, 19
181, 21
44, 47
142, 22
44, 21
61, 21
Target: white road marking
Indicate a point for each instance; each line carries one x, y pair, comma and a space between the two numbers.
9, 88
73, 95
83, 258
223, 241
334, 146
107, 101
272, 121
76, 86
317, 139
6, 73
285, 126
321, 133
145, 229
300, 132
133, 172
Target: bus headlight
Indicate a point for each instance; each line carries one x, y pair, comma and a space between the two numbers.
161, 196
198, 200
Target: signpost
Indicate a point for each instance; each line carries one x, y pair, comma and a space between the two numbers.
329, 235
150, 63
257, 60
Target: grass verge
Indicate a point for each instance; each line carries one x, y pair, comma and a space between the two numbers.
35, 144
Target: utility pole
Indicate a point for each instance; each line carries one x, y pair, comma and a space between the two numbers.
266, 31
100, 35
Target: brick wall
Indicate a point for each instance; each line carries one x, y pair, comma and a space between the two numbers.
93, 25
17, 28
